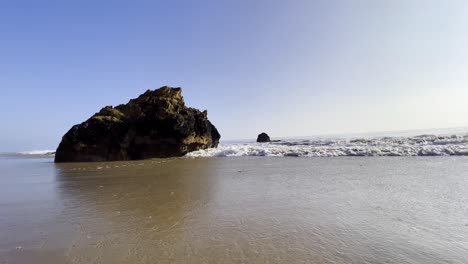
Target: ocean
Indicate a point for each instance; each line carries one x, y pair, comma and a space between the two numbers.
311, 200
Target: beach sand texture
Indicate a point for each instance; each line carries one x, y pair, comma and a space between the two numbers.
235, 210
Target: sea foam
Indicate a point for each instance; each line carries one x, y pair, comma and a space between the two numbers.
424, 145
38, 152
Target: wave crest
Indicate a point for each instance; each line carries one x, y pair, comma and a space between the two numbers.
424, 145
38, 152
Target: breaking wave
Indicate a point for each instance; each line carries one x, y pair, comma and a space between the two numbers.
38, 152
423, 145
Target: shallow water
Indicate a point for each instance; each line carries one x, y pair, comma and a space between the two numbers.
235, 210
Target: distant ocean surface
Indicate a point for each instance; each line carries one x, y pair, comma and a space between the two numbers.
439, 142
434, 142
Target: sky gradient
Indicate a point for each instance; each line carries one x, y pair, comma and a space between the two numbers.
290, 68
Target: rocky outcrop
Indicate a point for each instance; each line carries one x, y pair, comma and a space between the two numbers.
157, 124
263, 137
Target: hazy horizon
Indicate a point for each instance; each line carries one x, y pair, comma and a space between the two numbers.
312, 68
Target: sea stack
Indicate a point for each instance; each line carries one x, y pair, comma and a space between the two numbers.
157, 124
263, 137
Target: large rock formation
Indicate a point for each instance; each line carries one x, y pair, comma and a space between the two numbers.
263, 137
157, 124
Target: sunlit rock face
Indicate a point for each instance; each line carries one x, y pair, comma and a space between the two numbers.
157, 124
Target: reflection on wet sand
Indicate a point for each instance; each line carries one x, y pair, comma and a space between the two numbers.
134, 211
240, 210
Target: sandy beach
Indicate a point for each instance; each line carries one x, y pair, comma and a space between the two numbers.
235, 210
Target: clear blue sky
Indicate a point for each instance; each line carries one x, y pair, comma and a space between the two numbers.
290, 68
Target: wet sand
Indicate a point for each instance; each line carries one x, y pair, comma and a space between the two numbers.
235, 210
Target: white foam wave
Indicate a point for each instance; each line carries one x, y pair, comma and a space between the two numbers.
38, 152
424, 145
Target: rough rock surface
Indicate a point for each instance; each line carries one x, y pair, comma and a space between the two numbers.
157, 124
263, 137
